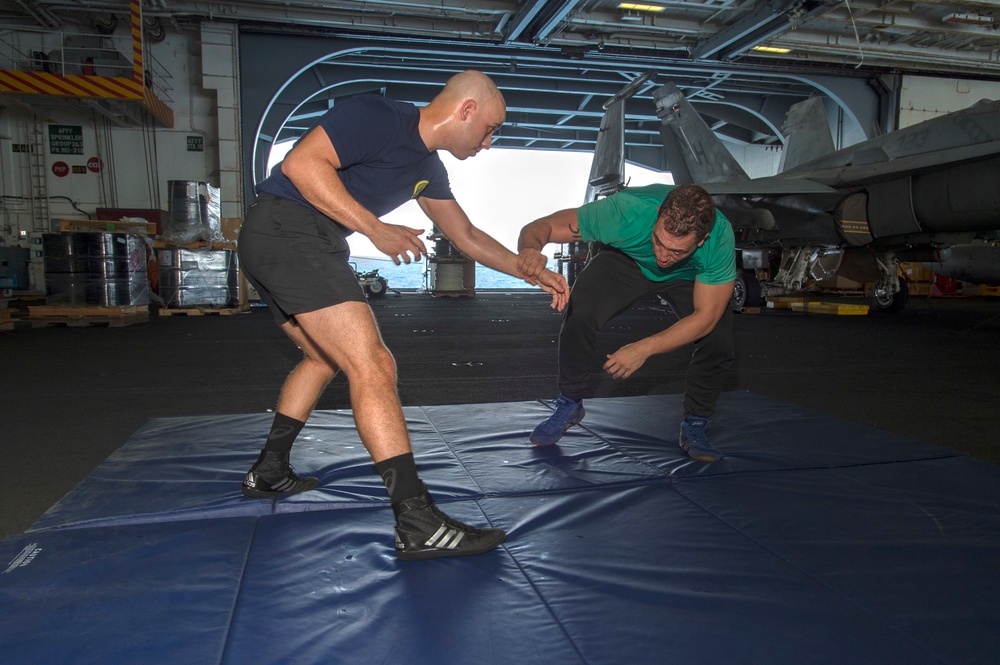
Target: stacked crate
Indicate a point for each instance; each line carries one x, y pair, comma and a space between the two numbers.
95, 273
197, 267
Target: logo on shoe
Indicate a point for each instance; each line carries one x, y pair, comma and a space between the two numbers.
26, 556
249, 481
445, 538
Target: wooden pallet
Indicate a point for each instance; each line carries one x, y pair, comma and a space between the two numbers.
106, 226
814, 307
202, 311
785, 302
41, 316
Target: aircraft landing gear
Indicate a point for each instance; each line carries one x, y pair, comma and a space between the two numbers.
891, 293
746, 291
884, 300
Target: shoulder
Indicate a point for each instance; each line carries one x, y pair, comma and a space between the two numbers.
723, 230
368, 110
655, 191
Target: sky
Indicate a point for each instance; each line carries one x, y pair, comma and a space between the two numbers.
501, 190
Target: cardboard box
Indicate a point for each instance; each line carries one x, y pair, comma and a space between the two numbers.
231, 227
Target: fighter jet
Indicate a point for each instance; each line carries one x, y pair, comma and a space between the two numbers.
607, 170
926, 193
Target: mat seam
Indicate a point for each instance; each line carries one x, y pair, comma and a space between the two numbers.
239, 595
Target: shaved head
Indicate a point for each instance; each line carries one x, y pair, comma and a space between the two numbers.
472, 84
463, 116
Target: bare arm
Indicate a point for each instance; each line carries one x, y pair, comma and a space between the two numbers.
312, 167
561, 226
449, 217
710, 303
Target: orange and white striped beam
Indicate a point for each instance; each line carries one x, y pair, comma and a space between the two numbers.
94, 87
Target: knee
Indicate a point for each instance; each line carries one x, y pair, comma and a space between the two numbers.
376, 364
319, 368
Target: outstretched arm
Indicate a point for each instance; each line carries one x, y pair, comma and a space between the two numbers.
710, 303
312, 167
450, 218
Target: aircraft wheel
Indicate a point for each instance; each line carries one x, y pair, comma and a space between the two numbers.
376, 288
746, 291
890, 303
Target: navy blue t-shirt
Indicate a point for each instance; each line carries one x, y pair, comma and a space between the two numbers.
384, 162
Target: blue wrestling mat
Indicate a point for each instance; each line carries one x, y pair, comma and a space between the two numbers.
815, 540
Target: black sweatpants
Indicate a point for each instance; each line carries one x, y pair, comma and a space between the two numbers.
608, 286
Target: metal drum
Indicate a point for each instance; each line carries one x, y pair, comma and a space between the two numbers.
106, 269
194, 212
198, 277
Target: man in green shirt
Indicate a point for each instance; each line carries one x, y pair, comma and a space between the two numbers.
660, 239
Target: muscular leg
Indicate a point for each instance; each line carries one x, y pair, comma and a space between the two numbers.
346, 336
310, 377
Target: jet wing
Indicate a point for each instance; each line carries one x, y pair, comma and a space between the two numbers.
767, 186
861, 171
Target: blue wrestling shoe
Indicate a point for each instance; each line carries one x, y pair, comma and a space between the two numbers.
694, 442
567, 414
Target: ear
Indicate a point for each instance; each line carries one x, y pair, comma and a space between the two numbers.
467, 108
703, 240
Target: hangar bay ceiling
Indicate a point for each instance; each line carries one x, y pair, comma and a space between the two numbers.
958, 36
559, 60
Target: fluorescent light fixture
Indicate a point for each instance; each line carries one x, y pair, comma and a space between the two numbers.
771, 49
634, 7
972, 19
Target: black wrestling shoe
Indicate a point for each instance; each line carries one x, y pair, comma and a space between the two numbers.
273, 477
424, 532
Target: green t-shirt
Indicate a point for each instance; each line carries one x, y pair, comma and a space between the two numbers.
625, 221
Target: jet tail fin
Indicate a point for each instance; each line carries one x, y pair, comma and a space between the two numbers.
607, 171
807, 134
693, 151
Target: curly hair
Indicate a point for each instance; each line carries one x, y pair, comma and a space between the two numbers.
687, 209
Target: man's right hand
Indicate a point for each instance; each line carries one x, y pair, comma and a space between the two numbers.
554, 284
399, 242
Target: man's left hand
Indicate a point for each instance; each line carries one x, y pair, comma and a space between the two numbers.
625, 361
530, 263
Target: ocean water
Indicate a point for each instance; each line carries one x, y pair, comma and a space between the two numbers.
414, 276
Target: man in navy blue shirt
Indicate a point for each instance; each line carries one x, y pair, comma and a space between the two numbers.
362, 159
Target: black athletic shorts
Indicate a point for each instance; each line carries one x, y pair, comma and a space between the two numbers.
296, 258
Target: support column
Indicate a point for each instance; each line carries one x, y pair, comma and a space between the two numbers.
220, 72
